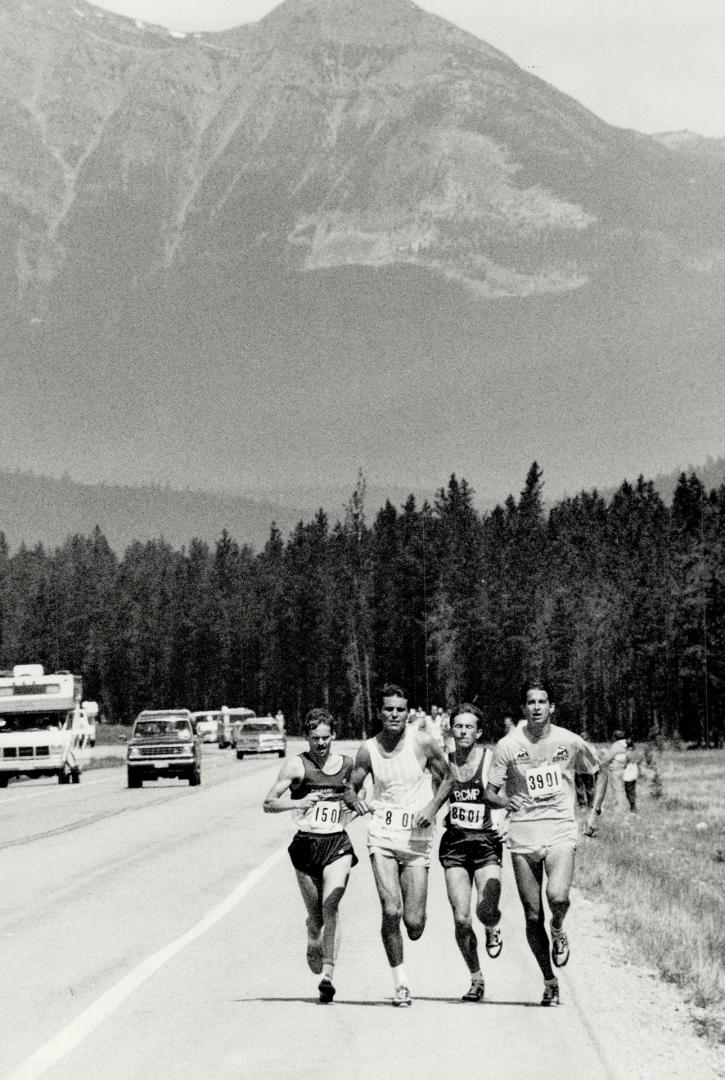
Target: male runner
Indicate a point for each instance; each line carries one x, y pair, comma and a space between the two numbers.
471, 849
321, 852
537, 763
405, 765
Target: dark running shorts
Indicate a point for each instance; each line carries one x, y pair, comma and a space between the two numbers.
461, 848
311, 853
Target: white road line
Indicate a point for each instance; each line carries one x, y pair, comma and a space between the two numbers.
74, 1033
52, 791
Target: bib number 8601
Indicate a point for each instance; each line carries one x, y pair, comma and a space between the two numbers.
543, 780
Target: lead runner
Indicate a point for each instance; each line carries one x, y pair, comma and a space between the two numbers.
405, 765
536, 763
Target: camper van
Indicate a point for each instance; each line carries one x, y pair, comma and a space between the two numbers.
44, 729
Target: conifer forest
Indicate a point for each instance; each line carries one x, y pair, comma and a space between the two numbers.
618, 601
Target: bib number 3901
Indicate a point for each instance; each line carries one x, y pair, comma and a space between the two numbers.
393, 818
543, 781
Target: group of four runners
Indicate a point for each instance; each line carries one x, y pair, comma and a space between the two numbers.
529, 777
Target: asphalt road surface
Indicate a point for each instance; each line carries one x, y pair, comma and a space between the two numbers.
158, 933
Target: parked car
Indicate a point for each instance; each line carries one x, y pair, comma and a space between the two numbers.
163, 743
225, 725
207, 725
260, 735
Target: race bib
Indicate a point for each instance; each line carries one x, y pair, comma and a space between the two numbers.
467, 815
543, 781
394, 818
326, 815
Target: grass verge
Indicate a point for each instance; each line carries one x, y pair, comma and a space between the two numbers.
662, 873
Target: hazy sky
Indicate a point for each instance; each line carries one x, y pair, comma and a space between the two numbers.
653, 65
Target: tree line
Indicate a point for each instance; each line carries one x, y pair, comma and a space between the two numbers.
619, 602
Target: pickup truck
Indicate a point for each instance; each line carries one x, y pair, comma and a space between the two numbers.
163, 744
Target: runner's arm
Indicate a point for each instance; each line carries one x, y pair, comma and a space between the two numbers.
495, 793
360, 771
442, 778
600, 790
274, 801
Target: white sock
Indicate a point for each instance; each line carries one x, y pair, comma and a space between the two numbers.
399, 977
477, 976
328, 971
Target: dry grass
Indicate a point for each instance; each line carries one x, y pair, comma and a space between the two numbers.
664, 879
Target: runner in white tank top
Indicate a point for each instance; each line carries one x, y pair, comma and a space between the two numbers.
405, 766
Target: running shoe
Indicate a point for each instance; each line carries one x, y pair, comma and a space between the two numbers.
476, 991
559, 947
551, 993
327, 990
314, 957
494, 941
402, 997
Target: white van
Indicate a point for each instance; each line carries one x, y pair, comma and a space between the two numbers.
207, 725
227, 724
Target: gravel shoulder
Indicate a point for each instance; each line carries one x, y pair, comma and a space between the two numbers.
643, 1026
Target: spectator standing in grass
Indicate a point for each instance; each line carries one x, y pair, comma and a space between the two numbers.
630, 775
614, 761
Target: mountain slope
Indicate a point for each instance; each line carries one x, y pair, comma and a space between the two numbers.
348, 235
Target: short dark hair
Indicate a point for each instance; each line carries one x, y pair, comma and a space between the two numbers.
535, 684
466, 707
392, 690
315, 717
618, 735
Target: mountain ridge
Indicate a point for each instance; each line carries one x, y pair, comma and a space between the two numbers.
233, 257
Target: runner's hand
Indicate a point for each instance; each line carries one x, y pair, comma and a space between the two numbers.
309, 800
590, 826
425, 817
356, 803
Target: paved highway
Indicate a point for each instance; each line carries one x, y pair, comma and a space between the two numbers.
158, 933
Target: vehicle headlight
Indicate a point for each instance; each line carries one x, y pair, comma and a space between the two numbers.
134, 751
56, 749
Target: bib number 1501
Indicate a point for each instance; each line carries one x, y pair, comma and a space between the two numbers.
327, 813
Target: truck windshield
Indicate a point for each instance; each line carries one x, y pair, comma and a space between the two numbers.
36, 721
179, 728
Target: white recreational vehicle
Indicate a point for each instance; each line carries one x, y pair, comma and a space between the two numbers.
44, 729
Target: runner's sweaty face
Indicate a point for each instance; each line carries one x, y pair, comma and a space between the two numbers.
320, 741
538, 709
464, 730
394, 714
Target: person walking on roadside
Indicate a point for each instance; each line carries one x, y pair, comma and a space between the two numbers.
471, 849
411, 780
312, 785
532, 776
